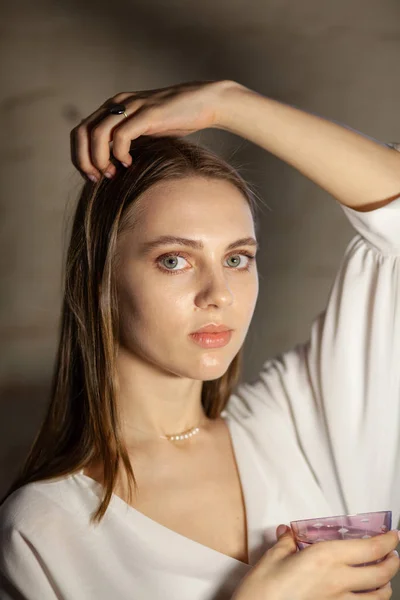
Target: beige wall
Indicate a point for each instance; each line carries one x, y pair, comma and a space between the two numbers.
60, 60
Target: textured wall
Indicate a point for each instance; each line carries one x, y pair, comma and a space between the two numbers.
60, 60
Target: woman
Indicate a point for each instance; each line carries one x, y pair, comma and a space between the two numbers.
162, 254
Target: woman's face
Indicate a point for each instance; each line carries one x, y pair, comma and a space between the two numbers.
167, 290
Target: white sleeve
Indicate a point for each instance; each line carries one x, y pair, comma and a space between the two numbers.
22, 576
353, 362
339, 393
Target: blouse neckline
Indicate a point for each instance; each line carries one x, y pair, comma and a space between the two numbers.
254, 505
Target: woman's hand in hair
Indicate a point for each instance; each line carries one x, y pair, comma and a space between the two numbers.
176, 110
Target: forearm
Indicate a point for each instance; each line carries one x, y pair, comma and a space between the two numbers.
356, 170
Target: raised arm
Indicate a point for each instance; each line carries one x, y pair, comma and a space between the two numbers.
358, 171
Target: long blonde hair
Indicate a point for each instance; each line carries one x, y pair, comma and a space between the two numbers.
81, 422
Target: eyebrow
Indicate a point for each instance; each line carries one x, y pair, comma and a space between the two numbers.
195, 244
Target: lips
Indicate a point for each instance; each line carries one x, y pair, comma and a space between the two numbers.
212, 328
212, 336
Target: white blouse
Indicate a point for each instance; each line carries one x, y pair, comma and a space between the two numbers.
316, 435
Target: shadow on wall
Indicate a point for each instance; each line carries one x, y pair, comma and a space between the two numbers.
21, 411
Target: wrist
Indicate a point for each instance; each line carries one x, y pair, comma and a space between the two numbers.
231, 96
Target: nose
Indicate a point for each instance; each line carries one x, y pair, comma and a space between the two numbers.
214, 291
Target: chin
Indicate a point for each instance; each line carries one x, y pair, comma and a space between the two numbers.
210, 367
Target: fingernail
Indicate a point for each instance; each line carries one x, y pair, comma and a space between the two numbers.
108, 175
93, 178
395, 551
124, 164
281, 530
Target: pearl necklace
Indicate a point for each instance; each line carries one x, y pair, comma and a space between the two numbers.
176, 437
181, 436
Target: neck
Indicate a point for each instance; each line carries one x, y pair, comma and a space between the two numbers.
153, 403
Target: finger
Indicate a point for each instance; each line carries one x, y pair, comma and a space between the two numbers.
143, 121
119, 130
373, 576
80, 152
100, 137
285, 546
80, 143
281, 530
353, 552
80, 137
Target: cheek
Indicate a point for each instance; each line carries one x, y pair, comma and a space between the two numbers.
151, 307
246, 295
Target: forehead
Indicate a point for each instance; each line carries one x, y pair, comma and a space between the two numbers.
197, 205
